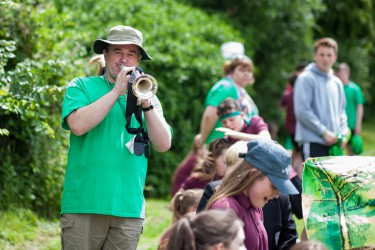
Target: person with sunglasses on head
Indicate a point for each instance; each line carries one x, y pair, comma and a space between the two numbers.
103, 206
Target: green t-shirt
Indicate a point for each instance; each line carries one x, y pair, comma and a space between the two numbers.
354, 97
227, 88
102, 176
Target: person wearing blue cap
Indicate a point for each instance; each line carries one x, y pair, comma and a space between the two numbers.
250, 184
277, 213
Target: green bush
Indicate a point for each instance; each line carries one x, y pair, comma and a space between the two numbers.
186, 63
32, 147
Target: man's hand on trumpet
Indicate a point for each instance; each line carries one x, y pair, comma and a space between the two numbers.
122, 80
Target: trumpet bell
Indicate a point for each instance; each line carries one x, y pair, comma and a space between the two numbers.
145, 86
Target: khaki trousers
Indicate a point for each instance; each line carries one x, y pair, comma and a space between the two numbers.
94, 231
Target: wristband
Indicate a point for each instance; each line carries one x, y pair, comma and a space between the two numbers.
148, 108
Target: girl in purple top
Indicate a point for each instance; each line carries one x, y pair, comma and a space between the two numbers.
211, 168
184, 170
251, 183
235, 127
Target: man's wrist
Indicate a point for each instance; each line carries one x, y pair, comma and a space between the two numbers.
148, 108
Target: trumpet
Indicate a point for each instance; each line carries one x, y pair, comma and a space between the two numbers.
144, 86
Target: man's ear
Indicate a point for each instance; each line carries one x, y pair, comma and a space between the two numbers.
218, 246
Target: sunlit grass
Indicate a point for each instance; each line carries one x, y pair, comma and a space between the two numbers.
22, 229
368, 135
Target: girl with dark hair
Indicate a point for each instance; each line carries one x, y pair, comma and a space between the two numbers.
185, 204
210, 168
208, 230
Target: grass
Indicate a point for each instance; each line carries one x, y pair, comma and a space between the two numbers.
368, 135
158, 218
22, 229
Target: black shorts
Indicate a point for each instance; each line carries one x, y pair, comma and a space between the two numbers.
312, 149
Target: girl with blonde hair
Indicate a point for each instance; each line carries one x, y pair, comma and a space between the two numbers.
251, 183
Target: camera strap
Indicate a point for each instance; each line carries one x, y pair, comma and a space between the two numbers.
141, 140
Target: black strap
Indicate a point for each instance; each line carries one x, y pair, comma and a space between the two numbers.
141, 141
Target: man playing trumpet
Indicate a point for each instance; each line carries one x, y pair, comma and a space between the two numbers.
103, 206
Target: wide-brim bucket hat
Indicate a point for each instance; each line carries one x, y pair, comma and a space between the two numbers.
122, 35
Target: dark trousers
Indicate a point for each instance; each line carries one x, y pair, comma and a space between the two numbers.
312, 149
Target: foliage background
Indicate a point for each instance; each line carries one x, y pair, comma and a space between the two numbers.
45, 44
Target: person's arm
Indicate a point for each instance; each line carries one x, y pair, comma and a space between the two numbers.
158, 130
244, 136
344, 129
358, 125
84, 119
288, 233
329, 137
208, 122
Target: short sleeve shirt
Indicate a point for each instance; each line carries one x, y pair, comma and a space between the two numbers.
227, 88
354, 97
256, 126
102, 175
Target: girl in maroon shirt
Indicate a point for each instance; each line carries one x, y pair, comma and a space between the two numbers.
184, 170
251, 183
211, 168
234, 125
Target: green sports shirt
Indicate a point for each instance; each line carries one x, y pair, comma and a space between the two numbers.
354, 97
223, 89
102, 175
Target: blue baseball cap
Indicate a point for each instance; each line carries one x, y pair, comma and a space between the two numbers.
273, 160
